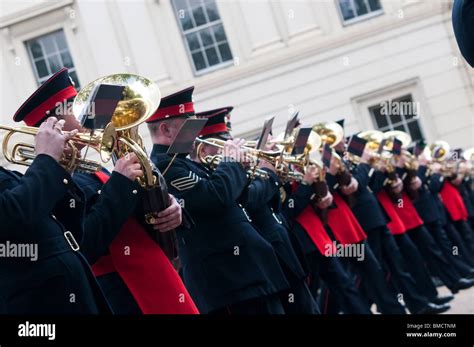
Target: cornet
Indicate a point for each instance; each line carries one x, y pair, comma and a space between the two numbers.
23, 153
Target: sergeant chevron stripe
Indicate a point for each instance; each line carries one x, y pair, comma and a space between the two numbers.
185, 183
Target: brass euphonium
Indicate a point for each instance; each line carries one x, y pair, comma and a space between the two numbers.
402, 136
374, 139
330, 133
438, 152
468, 154
141, 98
389, 138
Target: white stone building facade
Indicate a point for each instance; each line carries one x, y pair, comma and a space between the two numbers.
329, 59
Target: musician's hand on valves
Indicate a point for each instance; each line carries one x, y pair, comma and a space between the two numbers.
366, 156
170, 218
423, 159
233, 151
333, 166
381, 165
263, 164
436, 167
310, 175
270, 145
399, 161
351, 187
129, 166
397, 186
415, 184
50, 139
326, 201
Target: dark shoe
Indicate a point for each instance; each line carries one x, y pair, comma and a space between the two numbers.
437, 282
440, 300
433, 309
463, 283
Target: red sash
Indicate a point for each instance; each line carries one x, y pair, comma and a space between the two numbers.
453, 202
344, 225
407, 213
145, 269
311, 223
396, 225
313, 226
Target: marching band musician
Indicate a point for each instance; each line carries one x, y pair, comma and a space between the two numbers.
430, 209
463, 183
370, 268
34, 209
255, 239
227, 266
457, 211
304, 221
261, 199
373, 220
433, 212
440, 263
404, 218
118, 246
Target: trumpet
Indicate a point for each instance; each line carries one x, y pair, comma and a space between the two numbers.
23, 153
212, 161
281, 160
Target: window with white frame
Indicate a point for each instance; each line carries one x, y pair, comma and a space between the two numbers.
204, 35
398, 114
356, 10
50, 53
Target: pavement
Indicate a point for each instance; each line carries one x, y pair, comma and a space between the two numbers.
463, 301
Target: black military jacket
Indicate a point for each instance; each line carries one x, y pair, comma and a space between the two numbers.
45, 207
225, 260
262, 200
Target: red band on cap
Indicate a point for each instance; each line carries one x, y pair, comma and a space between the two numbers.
170, 111
214, 129
40, 112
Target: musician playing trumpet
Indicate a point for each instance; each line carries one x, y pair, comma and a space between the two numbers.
34, 211
110, 199
227, 266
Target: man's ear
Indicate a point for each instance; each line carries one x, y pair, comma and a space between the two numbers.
164, 129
